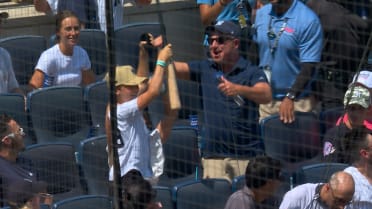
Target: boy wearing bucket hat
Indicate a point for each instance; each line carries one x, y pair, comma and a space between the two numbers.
133, 134
357, 101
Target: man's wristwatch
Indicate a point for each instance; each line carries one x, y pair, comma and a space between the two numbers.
290, 96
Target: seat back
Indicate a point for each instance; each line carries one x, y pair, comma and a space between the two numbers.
202, 194
55, 164
85, 202
126, 42
165, 196
329, 117
25, 51
58, 114
294, 142
181, 153
94, 42
94, 164
14, 106
316, 173
96, 96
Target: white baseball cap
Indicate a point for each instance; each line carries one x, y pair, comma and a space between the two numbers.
364, 78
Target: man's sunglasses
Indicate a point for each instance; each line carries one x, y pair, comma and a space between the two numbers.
219, 39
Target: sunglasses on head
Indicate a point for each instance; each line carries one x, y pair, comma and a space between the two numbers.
219, 39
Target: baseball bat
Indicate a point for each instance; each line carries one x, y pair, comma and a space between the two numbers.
174, 97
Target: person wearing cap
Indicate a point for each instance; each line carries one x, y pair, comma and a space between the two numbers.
342, 49
364, 78
18, 187
357, 101
289, 37
9, 83
360, 150
133, 136
231, 89
238, 11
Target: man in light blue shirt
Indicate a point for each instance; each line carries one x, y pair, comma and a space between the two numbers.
289, 37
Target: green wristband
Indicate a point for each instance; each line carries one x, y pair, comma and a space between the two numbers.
161, 63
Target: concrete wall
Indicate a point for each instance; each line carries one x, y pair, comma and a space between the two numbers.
181, 18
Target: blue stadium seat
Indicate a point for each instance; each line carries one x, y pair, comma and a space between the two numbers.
85, 202
94, 42
58, 114
317, 172
295, 143
55, 164
182, 159
329, 117
14, 106
96, 96
94, 164
126, 42
165, 196
202, 194
25, 51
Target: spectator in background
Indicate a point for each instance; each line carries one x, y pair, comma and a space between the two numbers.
65, 63
335, 194
92, 13
289, 38
231, 88
18, 187
133, 136
262, 179
360, 150
9, 83
357, 102
342, 50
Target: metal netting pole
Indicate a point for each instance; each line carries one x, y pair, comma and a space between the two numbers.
110, 66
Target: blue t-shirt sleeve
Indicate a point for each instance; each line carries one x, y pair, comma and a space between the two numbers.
311, 42
209, 2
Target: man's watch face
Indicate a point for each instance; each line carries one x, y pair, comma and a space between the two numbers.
290, 96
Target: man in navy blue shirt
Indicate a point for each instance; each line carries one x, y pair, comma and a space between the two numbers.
231, 88
18, 187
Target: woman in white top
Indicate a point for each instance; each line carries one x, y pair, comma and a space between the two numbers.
64, 63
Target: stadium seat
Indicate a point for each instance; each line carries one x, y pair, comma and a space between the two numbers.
316, 173
329, 117
126, 42
94, 164
58, 114
85, 202
24, 59
14, 106
55, 164
182, 159
237, 183
96, 96
94, 42
165, 196
294, 143
202, 194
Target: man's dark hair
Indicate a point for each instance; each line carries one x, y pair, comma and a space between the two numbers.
137, 192
4, 127
353, 142
260, 170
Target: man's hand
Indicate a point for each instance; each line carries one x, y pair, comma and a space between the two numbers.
227, 88
286, 110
